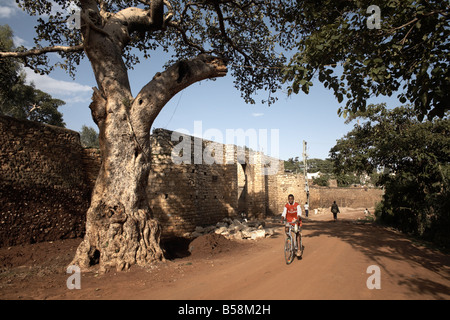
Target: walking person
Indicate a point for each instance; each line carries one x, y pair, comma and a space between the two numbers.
335, 210
306, 206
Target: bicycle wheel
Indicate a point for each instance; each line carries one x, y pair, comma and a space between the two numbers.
288, 250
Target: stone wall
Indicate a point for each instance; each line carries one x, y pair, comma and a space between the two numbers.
352, 197
283, 184
183, 196
91, 162
46, 179
42, 188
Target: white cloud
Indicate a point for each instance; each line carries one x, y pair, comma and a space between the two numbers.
8, 9
84, 98
6, 12
18, 41
53, 86
255, 114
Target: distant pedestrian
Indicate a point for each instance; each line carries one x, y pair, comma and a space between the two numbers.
335, 210
306, 206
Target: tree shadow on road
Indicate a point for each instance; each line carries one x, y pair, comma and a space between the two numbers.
377, 242
426, 287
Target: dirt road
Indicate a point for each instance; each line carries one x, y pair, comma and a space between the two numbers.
334, 266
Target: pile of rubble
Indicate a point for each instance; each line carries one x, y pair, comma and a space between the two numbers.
235, 229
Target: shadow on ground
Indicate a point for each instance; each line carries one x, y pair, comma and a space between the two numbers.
378, 242
176, 248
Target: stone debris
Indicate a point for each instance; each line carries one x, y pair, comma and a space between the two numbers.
236, 229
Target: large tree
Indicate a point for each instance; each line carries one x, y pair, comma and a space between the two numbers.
339, 43
205, 37
412, 158
89, 137
21, 100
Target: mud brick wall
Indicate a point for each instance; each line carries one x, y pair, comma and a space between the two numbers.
91, 161
183, 196
43, 195
358, 197
46, 179
286, 183
283, 184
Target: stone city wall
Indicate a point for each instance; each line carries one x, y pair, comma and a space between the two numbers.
46, 179
43, 194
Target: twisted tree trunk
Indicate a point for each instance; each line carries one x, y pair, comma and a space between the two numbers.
120, 228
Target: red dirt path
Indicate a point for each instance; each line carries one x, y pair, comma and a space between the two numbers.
334, 265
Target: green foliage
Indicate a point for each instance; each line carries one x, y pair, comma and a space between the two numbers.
235, 30
327, 170
89, 137
414, 157
19, 100
314, 165
347, 179
9, 69
322, 180
324, 166
293, 165
409, 54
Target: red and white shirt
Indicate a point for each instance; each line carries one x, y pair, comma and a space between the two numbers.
292, 211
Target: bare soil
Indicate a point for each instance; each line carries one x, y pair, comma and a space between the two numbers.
334, 266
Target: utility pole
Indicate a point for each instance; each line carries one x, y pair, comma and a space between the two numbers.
305, 171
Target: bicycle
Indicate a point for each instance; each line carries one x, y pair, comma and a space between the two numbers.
290, 245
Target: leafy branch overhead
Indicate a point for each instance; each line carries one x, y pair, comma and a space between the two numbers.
19, 99
414, 156
235, 31
408, 56
394, 140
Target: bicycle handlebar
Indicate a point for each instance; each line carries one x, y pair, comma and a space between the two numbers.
291, 222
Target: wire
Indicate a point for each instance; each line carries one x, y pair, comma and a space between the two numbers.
176, 107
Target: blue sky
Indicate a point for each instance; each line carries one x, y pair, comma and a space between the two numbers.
217, 104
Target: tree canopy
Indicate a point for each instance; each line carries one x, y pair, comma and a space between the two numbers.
89, 137
237, 31
412, 158
392, 139
314, 165
408, 54
18, 99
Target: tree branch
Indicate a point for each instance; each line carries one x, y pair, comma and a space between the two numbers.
39, 51
137, 19
225, 35
154, 96
184, 36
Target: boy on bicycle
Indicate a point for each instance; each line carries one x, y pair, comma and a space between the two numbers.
292, 212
